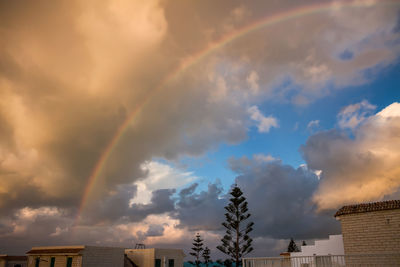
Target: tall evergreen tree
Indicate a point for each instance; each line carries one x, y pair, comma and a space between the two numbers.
196, 250
206, 256
292, 247
236, 243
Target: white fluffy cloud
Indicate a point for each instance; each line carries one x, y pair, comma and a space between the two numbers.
264, 124
160, 176
352, 115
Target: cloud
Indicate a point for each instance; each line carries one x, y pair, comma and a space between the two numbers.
360, 169
352, 115
313, 125
200, 211
72, 72
281, 191
264, 123
159, 176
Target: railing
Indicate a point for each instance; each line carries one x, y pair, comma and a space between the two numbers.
362, 260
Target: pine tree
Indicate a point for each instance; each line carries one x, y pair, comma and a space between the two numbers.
236, 242
197, 249
206, 256
292, 247
304, 243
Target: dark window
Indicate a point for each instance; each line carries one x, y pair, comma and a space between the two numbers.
37, 262
171, 263
17, 265
157, 263
52, 261
69, 262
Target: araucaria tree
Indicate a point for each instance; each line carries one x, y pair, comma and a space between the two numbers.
206, 256
292, 247
236, 243
196, 250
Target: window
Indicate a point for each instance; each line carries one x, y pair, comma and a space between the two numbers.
17, 265
171, 263
69, 262
52, 261
37, 262
157, 263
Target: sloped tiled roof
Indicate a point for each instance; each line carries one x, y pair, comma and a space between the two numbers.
368, 207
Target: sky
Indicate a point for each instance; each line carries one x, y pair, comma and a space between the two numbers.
125, 122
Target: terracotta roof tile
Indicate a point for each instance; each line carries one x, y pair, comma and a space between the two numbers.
368, 207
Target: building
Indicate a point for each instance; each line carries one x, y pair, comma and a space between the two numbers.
321, 252
75, 256
371, 229
156, 257
331, 246
13, 261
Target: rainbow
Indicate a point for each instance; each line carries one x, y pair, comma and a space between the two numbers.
200, 55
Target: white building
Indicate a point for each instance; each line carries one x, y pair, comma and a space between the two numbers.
331, 246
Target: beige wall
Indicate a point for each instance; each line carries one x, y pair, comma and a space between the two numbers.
141, 257
61, 260
376, 232
146, 257
166, 254
90, 257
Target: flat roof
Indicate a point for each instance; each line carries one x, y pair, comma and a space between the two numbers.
13, 258
56, 250
368, 207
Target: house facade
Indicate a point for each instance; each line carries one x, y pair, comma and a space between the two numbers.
371, 229
13, 261
75, 256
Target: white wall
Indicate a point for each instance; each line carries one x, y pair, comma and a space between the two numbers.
331, 246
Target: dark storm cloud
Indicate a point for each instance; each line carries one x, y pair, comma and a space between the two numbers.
200, 211
117, 207
279, 197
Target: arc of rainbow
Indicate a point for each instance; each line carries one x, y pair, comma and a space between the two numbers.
195, 58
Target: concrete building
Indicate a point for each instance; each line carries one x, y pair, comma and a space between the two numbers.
372, 229
156, 257
13, 261
75, 256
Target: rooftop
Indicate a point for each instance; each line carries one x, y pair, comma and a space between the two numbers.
368, 207
13, 258
55, 249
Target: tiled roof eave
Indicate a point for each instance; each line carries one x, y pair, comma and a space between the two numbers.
368, 207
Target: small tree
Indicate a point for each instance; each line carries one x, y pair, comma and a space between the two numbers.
206, 256
197, 249
292, 247
304, 243
236, 242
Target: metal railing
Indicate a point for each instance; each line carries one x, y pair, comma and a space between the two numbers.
360, 260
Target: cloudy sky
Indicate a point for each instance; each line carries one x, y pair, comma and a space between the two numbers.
126, 122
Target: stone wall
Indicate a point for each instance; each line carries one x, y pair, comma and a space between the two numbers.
376, 233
